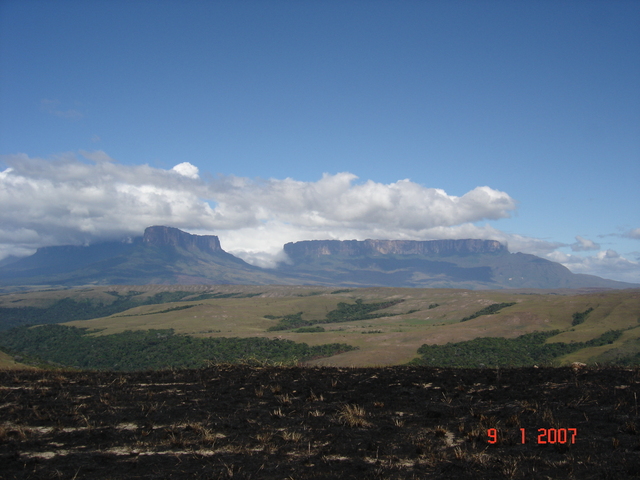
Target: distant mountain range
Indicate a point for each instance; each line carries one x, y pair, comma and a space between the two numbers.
166, 255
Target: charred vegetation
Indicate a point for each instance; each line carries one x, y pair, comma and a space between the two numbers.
312, 423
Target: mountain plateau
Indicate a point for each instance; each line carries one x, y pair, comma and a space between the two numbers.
166, 255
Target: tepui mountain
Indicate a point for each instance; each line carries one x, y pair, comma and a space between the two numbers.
166, 255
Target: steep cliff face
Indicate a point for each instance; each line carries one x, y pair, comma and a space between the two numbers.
354, 248
166, 255
172, 237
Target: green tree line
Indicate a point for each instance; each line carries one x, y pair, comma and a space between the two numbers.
151, 349
580, 317
490, 310
525, 350
344, 312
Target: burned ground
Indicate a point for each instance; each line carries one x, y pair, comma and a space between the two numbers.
319, 423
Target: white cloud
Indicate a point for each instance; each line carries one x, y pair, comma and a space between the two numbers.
606, 263
582, 244
73, 199
263, 259
187, 170
335, 201
65, 200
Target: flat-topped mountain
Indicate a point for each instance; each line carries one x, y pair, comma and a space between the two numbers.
162, 255
353, 248
166, 255
172, 237
468, 263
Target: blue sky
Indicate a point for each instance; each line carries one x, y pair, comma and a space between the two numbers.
538, 101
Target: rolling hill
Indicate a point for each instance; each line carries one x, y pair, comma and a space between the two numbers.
388, 326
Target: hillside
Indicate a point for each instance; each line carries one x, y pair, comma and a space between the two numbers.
163, 255
168, 256
7, 362
472, 264
389, 327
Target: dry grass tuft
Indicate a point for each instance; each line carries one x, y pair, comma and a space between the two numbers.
206, 435
353, 416
264, 437
315, 398
276, 389
288, 436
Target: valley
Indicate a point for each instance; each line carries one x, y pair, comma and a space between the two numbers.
384, 337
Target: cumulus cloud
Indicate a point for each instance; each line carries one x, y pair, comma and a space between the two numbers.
90, 197
80, 199
582, 244
605, 263
335, 201
65, 200
187, 170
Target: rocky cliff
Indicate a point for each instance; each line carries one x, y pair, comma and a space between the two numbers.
166, 255
355, 248
172, 237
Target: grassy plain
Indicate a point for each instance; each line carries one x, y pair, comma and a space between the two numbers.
7, 362
382, 341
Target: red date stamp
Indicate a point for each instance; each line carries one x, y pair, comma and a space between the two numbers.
545, 435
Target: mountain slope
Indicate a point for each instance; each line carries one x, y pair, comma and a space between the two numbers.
165, 255
469, 263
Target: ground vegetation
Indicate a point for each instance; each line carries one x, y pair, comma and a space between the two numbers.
526, 350
344, 312
151, 349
